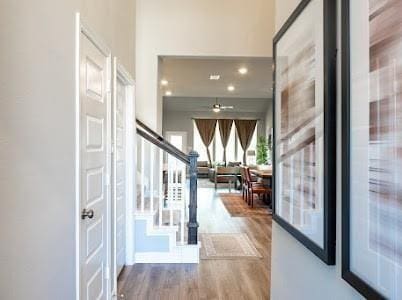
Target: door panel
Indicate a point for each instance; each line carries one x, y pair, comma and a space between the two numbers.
94, 192
120, 173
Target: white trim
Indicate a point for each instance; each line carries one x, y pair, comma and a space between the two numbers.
81, 28
77, 155
119, 73
109, 172
123, 74
114, 215
181, 254
131, 144
93, 37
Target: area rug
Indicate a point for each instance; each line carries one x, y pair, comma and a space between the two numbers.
227, 246
237, 207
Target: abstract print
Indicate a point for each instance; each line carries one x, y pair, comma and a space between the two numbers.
300, 140
385, 134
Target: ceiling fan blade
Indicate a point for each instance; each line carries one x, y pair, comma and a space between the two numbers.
227, 107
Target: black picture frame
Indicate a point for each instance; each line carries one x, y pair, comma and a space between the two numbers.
327, 252
355, 281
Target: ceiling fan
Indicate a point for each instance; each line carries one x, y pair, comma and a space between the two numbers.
217, 107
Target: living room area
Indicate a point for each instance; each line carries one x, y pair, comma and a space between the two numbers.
221, 107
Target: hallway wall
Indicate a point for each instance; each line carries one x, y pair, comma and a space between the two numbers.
37, 94
296, 272
195, 28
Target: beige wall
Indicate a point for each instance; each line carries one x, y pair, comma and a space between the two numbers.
283, 9
37, 196
195, 28
114, 20
296, 273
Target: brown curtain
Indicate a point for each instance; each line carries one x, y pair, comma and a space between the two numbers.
245, 131
225, 127
206, 128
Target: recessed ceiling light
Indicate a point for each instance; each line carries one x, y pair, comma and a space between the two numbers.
231, 88
164, 82
243, 71
168, 93
214, 77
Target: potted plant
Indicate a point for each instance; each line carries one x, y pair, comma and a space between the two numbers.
262, 153
269, 145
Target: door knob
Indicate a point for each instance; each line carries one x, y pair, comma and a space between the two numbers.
87, 214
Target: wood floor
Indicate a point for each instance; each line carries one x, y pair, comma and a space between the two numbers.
211, 279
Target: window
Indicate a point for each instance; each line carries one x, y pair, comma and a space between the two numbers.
218, 155
234, 151
239, 152
231, 146
252, 160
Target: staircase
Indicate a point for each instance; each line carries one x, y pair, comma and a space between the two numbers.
165, 220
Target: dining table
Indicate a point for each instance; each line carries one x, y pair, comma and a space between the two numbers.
264, 176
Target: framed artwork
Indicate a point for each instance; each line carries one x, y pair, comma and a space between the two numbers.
372, 147
305, 126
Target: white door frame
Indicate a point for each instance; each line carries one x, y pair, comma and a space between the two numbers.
119, 72
183, 134
82, 29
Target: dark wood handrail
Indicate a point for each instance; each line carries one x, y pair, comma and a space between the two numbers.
160, 144
153, 137
149, 130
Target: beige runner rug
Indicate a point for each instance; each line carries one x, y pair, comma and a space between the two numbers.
227, 246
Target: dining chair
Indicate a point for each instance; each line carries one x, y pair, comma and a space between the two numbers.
244, 183
255, 188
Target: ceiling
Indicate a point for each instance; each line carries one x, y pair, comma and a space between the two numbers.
189, 77
204, 104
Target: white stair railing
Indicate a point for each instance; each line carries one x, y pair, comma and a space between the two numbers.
163, 171
162, 181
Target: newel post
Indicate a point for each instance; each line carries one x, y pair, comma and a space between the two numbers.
192, 223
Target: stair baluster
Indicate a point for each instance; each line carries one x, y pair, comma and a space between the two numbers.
143, 174
163, 178
161, 191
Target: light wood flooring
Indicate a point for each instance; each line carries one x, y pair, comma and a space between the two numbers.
211, 279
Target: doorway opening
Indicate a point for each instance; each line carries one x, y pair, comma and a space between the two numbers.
220, 107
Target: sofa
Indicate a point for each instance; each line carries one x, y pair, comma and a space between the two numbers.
202, 169
224, 174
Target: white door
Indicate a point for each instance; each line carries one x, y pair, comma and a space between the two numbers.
94, 170
120, 173
178, 139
